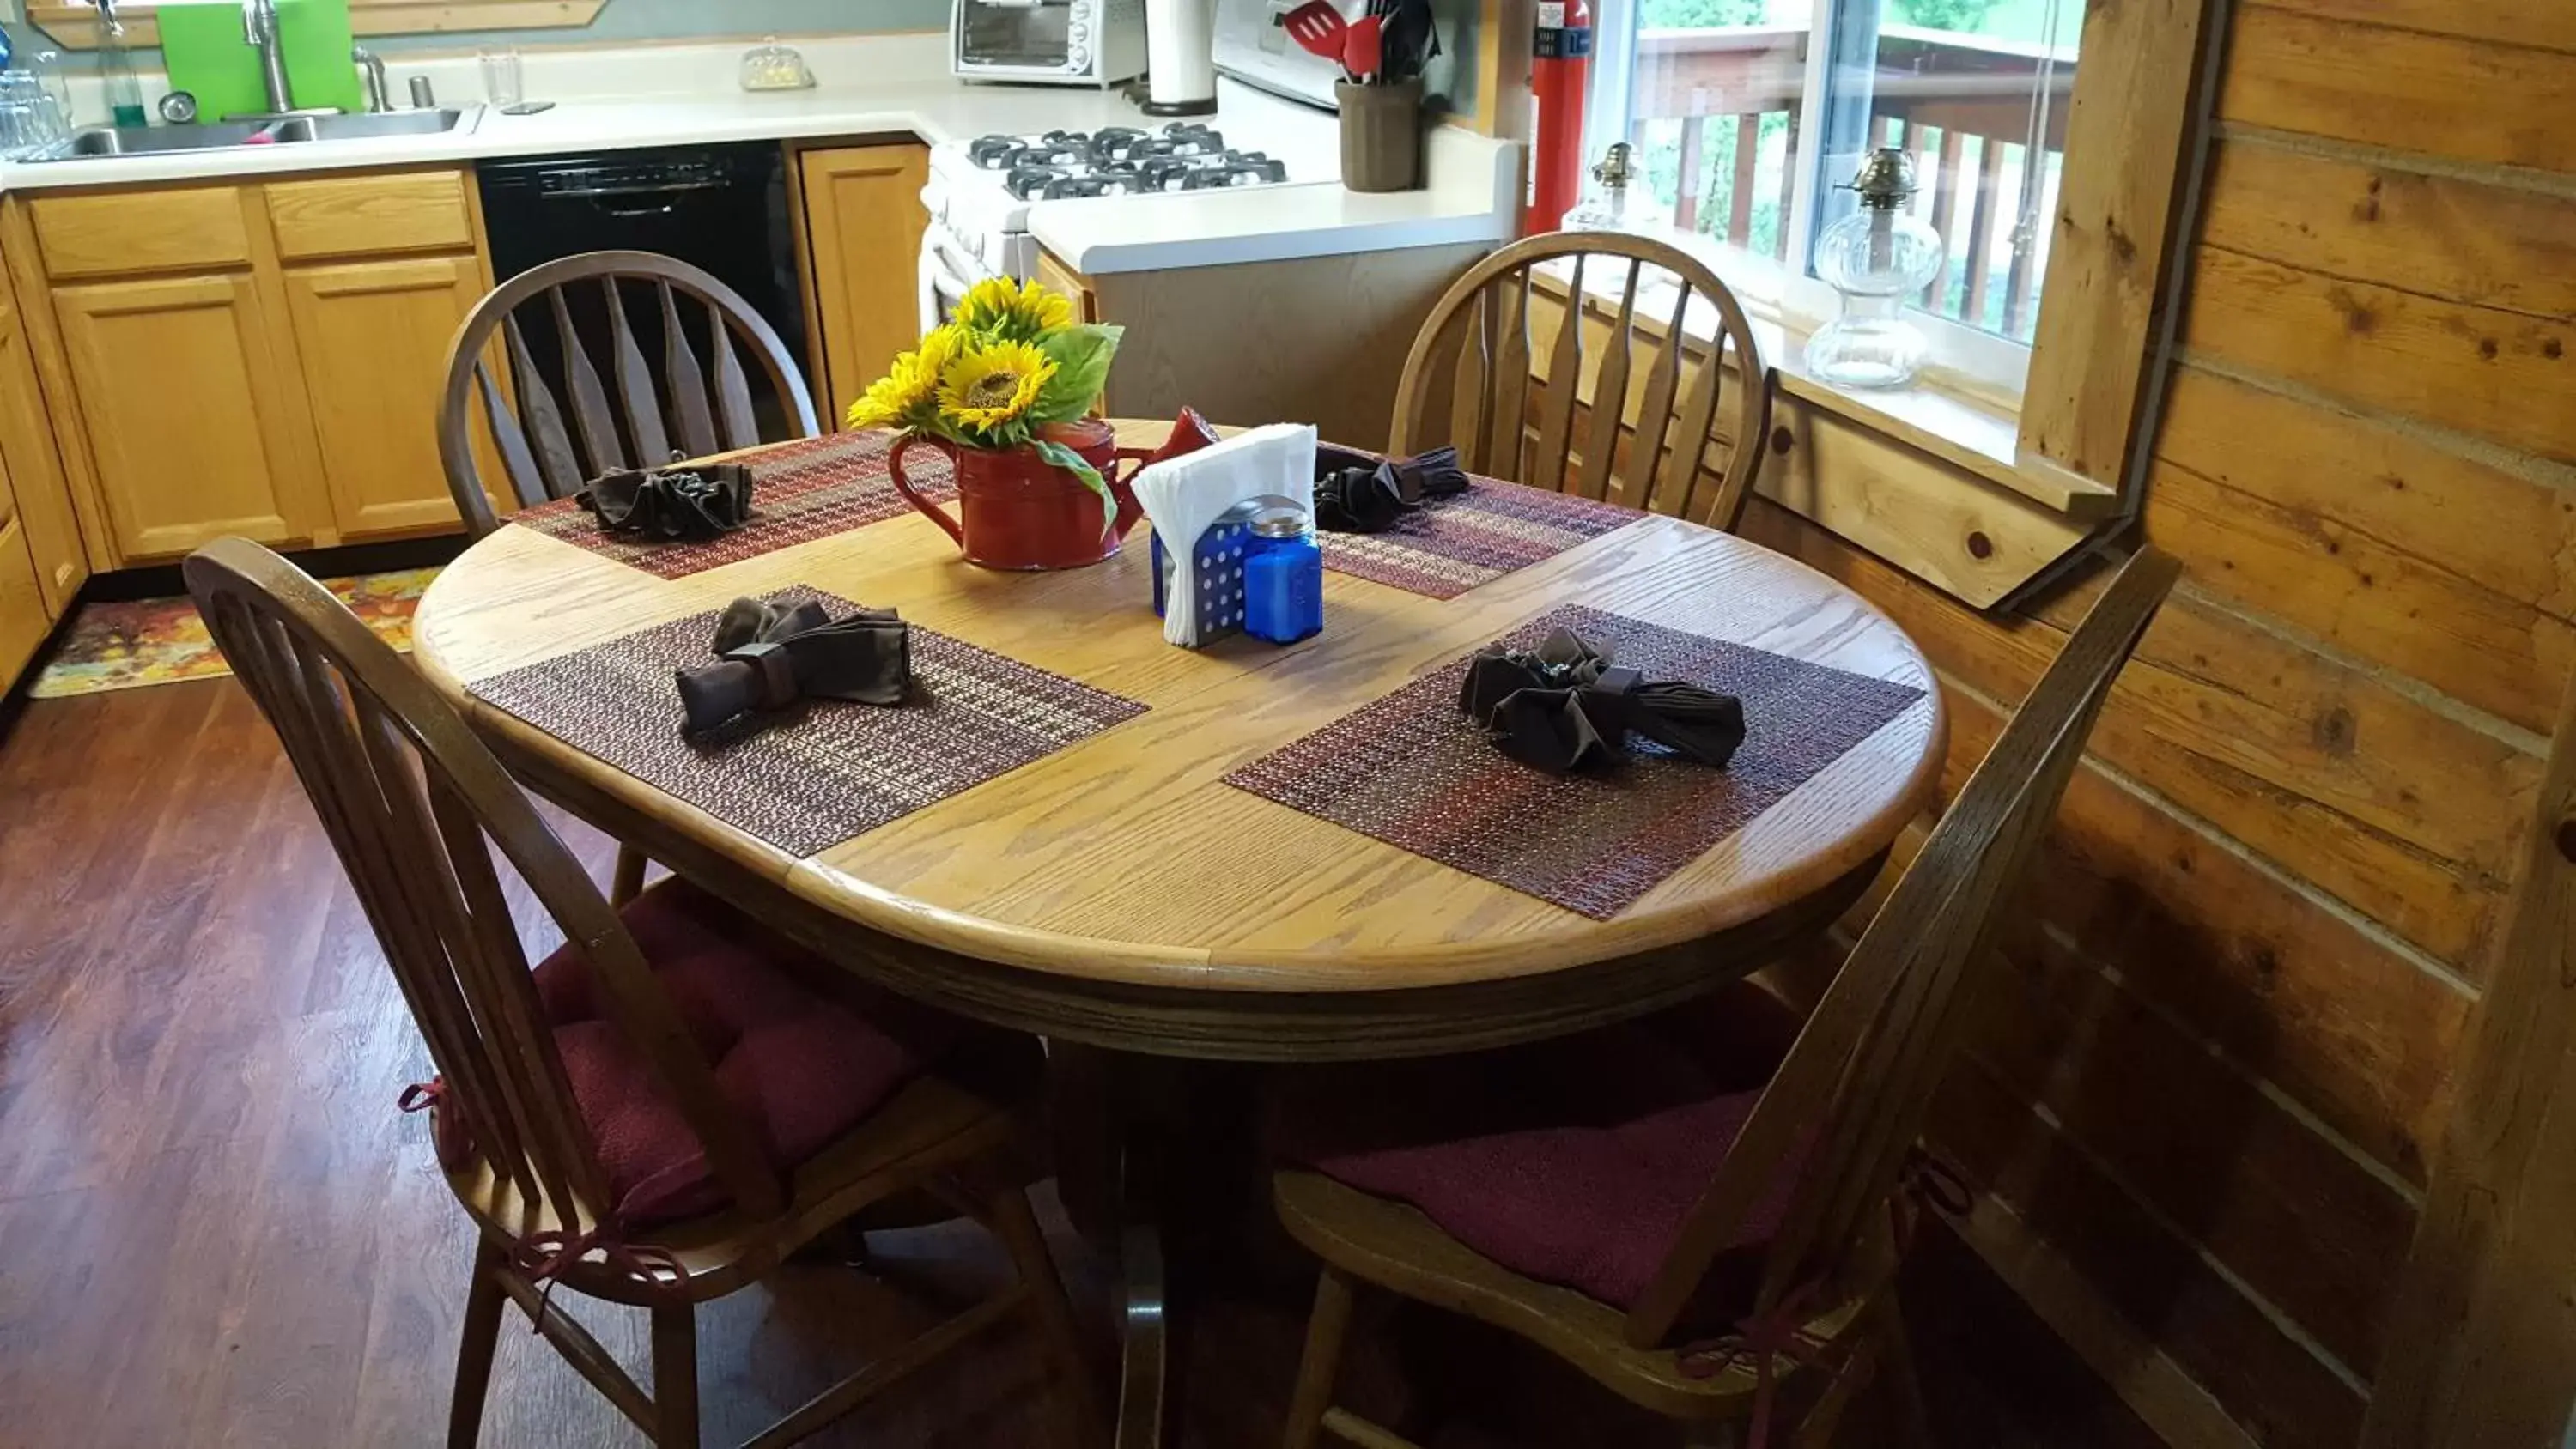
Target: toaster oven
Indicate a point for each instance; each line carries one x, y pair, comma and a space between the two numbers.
1056, 42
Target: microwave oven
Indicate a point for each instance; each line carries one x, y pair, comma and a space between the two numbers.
1056, 42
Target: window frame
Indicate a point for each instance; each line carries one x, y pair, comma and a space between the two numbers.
1991, 368
2139, 131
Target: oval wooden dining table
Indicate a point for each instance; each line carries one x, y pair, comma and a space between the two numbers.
1119, 894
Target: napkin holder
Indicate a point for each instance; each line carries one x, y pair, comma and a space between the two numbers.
1210, 497
1217, 564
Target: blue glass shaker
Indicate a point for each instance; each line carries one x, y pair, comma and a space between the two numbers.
1283, 578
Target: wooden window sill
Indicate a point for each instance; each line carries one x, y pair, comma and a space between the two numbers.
76, 27
1952, 421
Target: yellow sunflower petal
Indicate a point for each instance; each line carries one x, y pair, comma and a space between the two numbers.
1019, 311
990, 384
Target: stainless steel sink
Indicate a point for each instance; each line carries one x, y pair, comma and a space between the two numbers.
147, 140
97, 141
299, 129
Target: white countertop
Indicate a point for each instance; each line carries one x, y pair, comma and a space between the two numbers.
896, 85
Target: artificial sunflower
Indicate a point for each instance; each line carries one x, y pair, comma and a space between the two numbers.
894, 400
1019, 311
991, 385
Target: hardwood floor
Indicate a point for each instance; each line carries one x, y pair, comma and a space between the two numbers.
215, 1228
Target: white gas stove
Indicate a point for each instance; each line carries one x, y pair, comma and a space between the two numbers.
980, 191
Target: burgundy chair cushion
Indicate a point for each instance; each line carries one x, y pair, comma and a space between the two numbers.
799, 1068
1575, 1162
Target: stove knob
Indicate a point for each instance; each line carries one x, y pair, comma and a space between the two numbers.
1077, 57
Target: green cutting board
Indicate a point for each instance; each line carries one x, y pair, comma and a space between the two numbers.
203, 47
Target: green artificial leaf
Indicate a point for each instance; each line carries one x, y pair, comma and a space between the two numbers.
1074, 463
1081, 355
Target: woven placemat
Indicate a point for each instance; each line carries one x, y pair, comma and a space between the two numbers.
1451, 545
801, 491
1409, 769
811, 776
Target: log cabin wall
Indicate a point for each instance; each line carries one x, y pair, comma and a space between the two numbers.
2204, 1108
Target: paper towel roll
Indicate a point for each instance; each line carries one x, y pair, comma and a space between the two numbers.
1180, 57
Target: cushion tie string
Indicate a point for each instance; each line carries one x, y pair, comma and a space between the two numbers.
544, 1257
447, 1133
1925, 1185
1764, 1339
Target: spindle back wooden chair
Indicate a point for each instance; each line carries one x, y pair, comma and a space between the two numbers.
1469, 380
418, 809
699, 408
1841, 1113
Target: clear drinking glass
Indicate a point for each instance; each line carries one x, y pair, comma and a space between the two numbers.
21, 128
503, 86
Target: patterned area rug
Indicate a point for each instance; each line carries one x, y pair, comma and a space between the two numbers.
162, 641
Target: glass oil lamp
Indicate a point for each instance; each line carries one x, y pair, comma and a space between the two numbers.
1606, 208
1876, 257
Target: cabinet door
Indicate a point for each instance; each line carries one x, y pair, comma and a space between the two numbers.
24, 620
374, 339
195, 420
1074, 285
35, 469
863, 221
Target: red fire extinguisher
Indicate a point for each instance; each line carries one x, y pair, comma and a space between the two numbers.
1560, 73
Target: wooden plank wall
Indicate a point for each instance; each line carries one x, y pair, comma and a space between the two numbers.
2206, 1102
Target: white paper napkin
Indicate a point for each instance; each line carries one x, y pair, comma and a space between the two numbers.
1182, 496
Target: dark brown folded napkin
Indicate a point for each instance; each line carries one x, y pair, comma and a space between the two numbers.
769, 658
1356, 493
673, 504
1564, 706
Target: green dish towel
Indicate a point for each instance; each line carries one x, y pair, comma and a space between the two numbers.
207, 57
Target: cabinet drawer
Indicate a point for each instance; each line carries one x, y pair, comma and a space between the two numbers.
421, 211
141, 231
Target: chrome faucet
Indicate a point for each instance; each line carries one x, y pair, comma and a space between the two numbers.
371, 68
259, 31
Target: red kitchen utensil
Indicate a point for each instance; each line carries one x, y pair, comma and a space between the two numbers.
1318, 27
1363, 51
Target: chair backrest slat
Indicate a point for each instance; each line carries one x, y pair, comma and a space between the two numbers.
634, 382
1682, 470
455, 901
733, 388
1655, 413
537, 449
527, 483
1714, 380
1848, 1102
589, 399
416, 807
1471, 386
1610, 389
269, 664
544, 419
690, 411
1510, 389
1556, 403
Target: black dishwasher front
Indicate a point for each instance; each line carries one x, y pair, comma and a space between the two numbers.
719, 207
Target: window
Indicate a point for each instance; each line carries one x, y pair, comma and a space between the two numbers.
1746, 114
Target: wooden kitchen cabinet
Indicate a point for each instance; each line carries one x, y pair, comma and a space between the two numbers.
34, 469
196, 425
863, 226
373, 337
24, 619
256, 359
